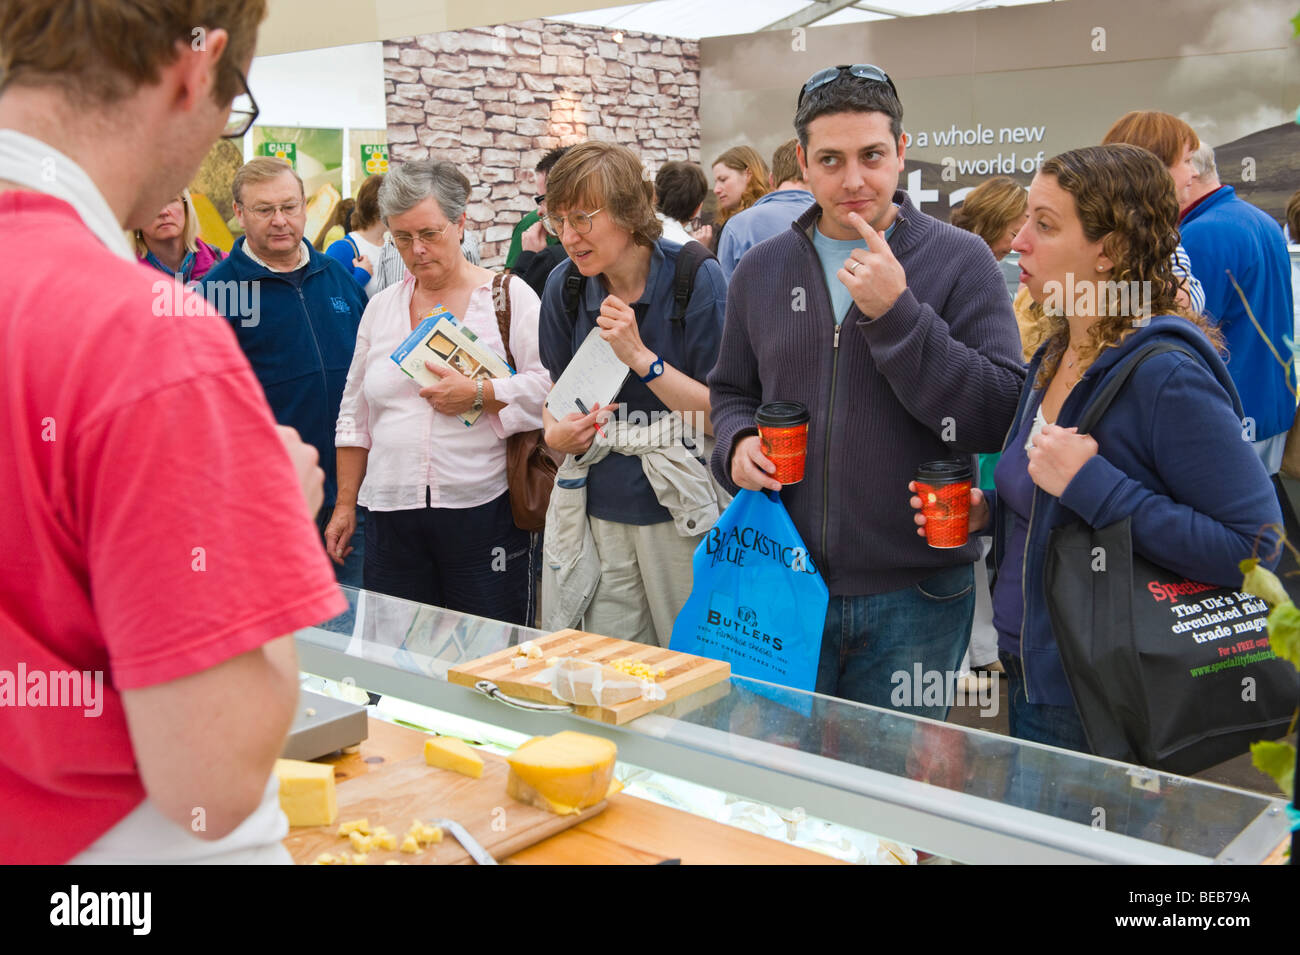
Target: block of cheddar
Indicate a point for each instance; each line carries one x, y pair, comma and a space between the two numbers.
307, 793
447, 752
564, 773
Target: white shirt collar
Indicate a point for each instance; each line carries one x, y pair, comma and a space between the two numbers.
42, 168
304, 257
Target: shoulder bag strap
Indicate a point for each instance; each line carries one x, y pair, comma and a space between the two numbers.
1119, 378
501, 302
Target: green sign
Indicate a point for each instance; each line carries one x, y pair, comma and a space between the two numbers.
374, 158
286, 151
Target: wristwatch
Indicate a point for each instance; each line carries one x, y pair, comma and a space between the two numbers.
656, 369
478, 396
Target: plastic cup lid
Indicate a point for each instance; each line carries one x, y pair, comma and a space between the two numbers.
944, 472
781, 414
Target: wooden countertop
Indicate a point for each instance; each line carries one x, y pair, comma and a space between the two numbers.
630, 831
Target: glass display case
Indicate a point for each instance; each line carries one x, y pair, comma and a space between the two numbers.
961, 793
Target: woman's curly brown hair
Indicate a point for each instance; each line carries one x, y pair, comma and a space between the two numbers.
1124, 197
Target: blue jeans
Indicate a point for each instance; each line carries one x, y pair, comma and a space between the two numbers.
868, 641
1035, 777
1040, 722
349, 575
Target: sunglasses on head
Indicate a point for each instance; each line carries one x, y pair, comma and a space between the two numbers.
863, 71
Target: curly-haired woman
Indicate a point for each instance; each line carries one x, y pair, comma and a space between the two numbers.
1168, 454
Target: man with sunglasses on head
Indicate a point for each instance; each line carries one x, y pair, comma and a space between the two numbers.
895, 330
300, 334
157, 550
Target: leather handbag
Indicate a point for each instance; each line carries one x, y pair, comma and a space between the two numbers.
530, 464
1166, 672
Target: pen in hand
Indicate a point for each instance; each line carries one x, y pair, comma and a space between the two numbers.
583, 409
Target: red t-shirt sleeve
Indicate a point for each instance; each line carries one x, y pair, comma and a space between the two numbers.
198, 541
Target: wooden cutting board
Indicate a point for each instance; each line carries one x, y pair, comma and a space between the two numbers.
400, 792
684, 673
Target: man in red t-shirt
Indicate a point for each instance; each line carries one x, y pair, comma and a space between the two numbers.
156, 549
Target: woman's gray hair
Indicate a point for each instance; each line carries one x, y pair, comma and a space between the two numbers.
409, 184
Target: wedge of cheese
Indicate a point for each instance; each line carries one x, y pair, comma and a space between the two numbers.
447, 752
564, 773
307, 793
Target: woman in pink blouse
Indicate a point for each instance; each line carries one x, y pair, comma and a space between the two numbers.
439, 529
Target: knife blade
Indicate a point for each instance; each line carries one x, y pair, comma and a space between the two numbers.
471, 845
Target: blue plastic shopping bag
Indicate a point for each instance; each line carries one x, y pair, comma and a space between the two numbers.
757, 600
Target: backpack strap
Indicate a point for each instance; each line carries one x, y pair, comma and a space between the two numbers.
692, 255
501, 303
574, 283
1119, 378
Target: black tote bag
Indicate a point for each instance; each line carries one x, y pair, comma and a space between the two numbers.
1159, 664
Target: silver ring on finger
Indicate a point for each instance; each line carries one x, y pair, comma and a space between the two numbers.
853, 267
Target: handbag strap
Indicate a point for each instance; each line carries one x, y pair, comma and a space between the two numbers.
1110, 389
501, 302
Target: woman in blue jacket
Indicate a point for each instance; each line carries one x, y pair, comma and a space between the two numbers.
1168, 454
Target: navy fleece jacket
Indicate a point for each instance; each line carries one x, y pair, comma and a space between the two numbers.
299, 343
1171, 457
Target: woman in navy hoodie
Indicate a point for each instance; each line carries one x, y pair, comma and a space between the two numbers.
1169, 452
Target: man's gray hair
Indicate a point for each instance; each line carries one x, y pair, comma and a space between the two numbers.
409, 184
1203, 162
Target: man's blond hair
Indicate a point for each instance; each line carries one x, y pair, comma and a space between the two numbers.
262, 169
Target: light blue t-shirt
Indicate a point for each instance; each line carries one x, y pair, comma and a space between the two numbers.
832, 253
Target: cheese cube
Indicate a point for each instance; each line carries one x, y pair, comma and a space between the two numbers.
447, 752
355, 825
410, 845
564, 773
359, 842
307, 793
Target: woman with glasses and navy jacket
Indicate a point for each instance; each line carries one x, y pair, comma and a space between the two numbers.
620, 283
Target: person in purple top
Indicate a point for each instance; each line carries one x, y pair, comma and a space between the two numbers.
895, 330
171, 243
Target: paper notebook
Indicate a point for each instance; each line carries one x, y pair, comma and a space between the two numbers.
593, 377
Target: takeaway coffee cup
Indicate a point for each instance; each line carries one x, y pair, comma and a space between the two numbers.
944, 490
783, 433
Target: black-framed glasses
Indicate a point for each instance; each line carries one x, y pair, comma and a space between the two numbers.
579, 222
863, 71
539, 199
243, 111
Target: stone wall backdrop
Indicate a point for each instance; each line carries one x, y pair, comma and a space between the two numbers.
493, 100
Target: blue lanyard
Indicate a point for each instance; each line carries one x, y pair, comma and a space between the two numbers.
186, 270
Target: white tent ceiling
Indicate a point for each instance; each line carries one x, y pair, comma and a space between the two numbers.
693, 19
